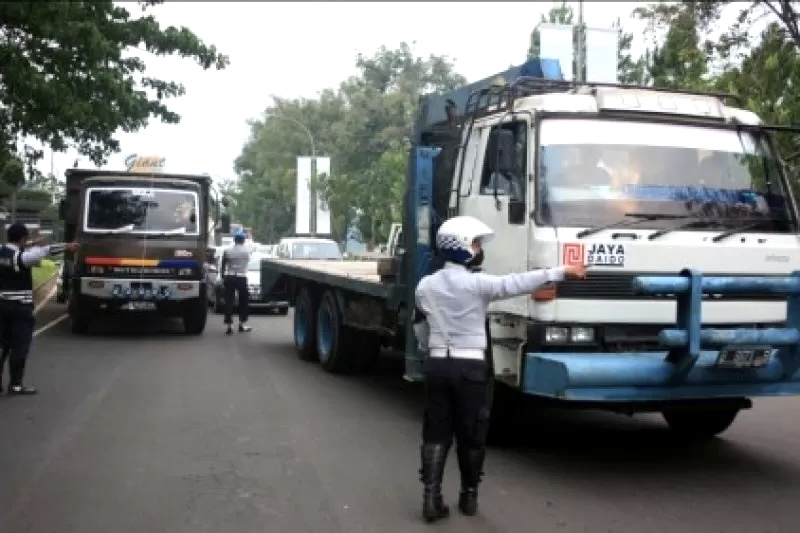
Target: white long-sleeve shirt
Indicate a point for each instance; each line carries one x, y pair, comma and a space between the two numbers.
33, 255
462, 299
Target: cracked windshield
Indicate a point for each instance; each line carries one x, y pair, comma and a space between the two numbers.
142, 210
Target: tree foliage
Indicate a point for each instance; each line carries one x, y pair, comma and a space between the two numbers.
67, 80
364, 125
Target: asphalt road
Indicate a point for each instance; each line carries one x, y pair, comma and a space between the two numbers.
138, 430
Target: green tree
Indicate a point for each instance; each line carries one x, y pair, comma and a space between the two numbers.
66, 79
364, 126
681, 61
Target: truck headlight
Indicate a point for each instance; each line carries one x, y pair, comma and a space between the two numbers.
569, 335
580, 335
554, 335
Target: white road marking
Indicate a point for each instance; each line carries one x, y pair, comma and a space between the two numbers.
41, 305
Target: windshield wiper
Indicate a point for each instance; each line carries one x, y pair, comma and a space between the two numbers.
695, 222
122, 229
630, 218
176, 231
744, 227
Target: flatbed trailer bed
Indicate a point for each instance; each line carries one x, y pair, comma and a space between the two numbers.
354, 276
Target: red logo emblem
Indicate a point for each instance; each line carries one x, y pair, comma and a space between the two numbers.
573, 254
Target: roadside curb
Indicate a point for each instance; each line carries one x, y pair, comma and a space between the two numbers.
44, 293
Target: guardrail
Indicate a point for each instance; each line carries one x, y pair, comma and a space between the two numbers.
739, 347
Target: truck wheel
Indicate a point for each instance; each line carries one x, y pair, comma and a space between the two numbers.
305, 326
364, 349
332, 345
505, 407
700, 424
79, 316
194, 318
79, 322
282, 311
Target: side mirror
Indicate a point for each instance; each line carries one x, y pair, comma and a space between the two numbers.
225, 223
516, 212
62, 210
500, 150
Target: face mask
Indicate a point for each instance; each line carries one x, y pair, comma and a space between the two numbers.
476, 261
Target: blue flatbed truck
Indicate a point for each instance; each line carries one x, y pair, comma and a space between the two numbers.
648, 331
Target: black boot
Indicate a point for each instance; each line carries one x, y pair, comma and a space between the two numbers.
434, 457
470, 463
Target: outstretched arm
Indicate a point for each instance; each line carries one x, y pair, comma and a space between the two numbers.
33, 256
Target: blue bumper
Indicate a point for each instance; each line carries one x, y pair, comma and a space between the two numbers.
638, 377
687, 369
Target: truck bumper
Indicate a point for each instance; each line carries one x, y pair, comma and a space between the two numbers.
648, 376
129, 290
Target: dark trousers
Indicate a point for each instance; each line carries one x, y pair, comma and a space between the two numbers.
16, 334
234, 285
458, 402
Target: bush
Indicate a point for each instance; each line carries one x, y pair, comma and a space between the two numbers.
44, 272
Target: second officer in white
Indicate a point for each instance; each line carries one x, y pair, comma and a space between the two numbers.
454, 302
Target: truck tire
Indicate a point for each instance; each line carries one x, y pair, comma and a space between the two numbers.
79, 316
364, 349
700, 424
305, 326
79, 322
195, 317
505, 409
282, 310
332, 342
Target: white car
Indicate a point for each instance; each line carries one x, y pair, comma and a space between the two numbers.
309, 248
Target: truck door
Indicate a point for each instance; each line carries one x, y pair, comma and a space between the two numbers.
499, 197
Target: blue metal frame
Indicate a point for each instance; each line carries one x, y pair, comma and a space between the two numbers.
687, 368
416, 260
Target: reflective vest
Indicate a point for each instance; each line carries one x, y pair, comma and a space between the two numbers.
16, 280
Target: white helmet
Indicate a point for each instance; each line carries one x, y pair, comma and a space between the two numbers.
455, 236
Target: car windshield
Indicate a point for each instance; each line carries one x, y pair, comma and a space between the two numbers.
141, 210
316, 250
593, 172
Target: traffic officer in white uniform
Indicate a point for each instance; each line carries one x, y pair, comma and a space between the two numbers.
16, 301
454, 302
234, 279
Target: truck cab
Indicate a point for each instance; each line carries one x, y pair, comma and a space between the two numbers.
143, 245
635, 182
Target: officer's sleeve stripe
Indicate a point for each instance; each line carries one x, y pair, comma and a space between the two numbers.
17, 261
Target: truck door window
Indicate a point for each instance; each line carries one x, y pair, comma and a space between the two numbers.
512, 182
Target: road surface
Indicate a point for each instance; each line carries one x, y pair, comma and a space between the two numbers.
138, 430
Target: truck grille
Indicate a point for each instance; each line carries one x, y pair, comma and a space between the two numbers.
613, 286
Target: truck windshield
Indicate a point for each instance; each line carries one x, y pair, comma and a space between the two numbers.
141, 210
593, 172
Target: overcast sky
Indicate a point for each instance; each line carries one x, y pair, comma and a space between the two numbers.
299, 49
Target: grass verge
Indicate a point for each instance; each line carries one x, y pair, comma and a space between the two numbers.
43, 272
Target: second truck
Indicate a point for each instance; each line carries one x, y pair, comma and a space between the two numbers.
678, 201
143, 240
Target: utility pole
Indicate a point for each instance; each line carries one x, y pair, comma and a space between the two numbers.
580, 59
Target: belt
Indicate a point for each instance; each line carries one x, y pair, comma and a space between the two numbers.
458, 353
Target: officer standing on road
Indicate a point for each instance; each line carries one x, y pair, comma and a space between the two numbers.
234, 271
454, 302
16, 301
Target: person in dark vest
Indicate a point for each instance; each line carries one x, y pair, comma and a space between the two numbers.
16, 301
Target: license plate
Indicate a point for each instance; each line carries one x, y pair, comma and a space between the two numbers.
744, 357
140, 306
